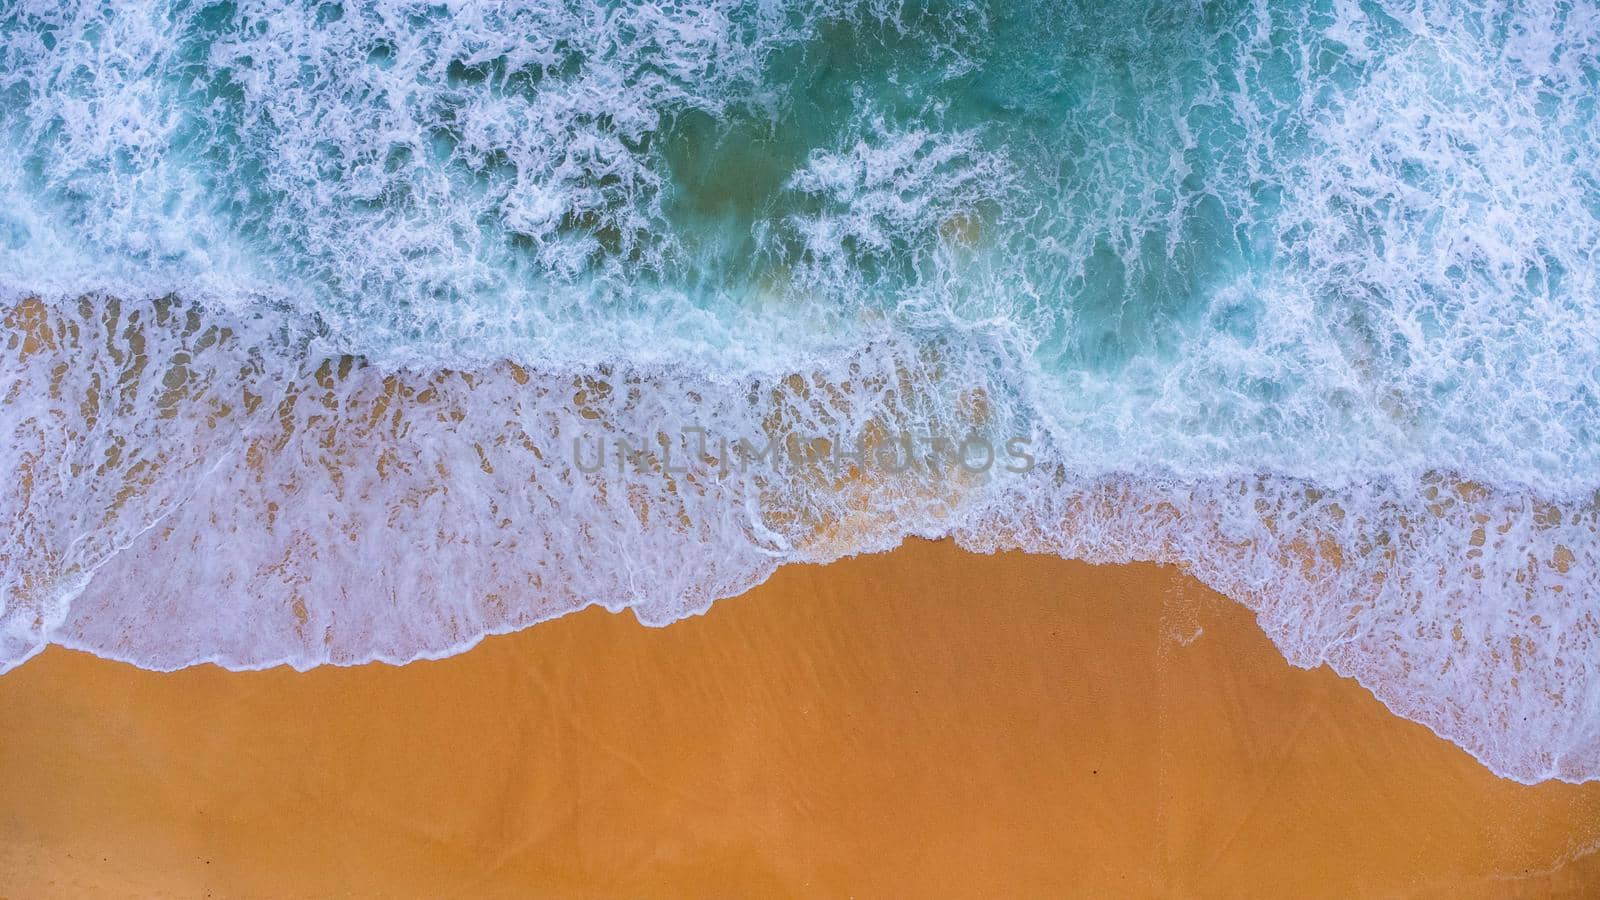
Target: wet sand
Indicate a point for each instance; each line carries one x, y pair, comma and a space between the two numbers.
927, 722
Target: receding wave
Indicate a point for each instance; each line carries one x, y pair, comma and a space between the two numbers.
336, 334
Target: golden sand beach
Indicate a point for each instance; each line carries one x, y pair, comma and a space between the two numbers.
922, 723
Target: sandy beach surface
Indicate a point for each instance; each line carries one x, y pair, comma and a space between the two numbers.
922, 723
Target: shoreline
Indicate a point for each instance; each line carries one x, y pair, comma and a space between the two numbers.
926, 719
295, 505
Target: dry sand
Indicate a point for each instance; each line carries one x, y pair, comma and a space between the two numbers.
922, 723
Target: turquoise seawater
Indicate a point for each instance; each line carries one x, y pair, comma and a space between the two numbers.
314, 305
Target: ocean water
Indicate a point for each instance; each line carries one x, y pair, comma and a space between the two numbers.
341, 332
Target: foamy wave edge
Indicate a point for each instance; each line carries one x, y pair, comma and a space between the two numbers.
191, 491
